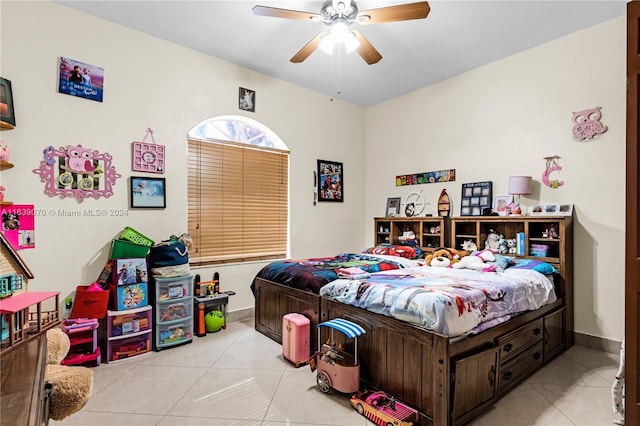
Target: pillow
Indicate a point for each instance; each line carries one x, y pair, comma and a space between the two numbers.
393, 250
537, 265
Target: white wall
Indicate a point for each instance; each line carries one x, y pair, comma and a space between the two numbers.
501, 120
152, 83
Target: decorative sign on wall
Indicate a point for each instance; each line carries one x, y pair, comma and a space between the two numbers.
246, 99
79, 79
475, 198
77, 172
147, 157
426, 177
552, 165
587, 125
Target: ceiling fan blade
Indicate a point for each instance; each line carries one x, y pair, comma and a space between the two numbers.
285, 13
402, 12
308, 49
366, 49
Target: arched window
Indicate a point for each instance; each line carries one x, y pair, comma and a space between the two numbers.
238, 191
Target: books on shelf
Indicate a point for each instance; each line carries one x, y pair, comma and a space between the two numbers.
520, 243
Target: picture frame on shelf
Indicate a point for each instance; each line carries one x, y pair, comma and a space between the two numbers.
7, 113
330, 181
148, 192
565, 209
476, 197
537, 210
393, 207
551, 209
501, 204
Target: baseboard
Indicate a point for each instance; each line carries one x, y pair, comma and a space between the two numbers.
241, 315
599, 343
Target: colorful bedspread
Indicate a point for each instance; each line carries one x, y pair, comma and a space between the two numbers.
445, 300
312, 274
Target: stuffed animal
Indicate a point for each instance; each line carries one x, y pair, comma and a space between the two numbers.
511, 246
502, 245
444, 257
493, 241
476, 261
5, 152
469, 245
72, 385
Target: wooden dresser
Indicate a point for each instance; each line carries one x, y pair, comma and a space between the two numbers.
24, 394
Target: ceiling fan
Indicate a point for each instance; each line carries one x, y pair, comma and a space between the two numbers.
339, 15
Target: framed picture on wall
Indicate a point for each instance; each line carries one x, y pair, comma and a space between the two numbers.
148, 192
330, 181
7, 115
247, 99
80, 79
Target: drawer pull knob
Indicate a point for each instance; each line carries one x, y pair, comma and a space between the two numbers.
508, 347
536, 356
507, 375
537, 331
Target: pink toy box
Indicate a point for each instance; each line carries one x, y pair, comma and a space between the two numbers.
295, 338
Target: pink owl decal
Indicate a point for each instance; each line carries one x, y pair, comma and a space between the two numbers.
79, 159
587, 125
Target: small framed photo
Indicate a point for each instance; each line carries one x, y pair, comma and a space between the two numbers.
81, 79
330, 181
247, 99
537, 210
550, 209
7, 115
501, 204
565, 209
393, 207
148, 192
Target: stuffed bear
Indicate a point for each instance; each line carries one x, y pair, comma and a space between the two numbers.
511, 244
444, 257
72, 385
476, 261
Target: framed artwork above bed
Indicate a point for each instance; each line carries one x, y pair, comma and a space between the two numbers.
475, 198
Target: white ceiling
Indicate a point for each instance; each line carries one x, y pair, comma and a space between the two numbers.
457, 36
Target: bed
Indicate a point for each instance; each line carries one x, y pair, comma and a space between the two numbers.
449, 379
293, 285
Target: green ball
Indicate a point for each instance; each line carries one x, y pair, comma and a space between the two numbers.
213, 321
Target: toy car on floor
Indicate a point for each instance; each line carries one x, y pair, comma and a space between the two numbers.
382, 409
337, 369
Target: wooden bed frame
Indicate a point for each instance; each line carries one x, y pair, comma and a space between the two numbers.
449, 380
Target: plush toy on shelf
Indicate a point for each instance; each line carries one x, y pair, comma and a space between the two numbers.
5, 152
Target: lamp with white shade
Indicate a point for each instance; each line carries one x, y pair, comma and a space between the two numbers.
518, 185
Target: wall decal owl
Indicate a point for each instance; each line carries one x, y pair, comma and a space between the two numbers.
79, 159
587, 125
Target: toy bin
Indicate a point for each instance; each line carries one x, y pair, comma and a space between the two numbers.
135, 237
173, 333
129, 296
133, 321
129, 271
173, 310
89, 304
129, 346
539, 250
174, 288
124, 249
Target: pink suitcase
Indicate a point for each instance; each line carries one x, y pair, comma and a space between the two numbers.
295, 338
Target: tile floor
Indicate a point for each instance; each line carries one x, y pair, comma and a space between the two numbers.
238, 377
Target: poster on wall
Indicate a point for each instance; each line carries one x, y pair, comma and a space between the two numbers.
80, 79
448, 175
18, 225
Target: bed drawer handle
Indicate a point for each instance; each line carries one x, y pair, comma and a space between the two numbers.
536, 356
492, 376
536, 331
507, 375
508, 347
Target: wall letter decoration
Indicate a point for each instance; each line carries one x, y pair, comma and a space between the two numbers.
76, 172
587, 125
552, 166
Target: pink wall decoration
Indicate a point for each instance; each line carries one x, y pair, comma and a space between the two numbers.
552, 166
76, 172
587, 125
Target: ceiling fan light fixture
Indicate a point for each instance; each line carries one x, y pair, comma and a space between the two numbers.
326, 44
351, 43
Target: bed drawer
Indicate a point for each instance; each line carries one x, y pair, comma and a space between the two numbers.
515, 342
513, 372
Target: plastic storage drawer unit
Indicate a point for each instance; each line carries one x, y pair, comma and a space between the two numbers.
173, 333
174, 310
173, 288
